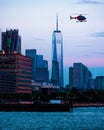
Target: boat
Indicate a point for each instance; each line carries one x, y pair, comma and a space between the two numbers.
36, 107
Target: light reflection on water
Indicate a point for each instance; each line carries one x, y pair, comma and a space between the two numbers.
91, 118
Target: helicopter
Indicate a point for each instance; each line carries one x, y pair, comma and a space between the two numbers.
79, 18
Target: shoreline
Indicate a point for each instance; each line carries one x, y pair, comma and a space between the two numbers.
88, 105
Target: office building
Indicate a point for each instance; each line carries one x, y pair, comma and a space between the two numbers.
70, 77
32, 53
15, 73
57, 57
41, 73
0, 39
11, 41
99, 82
80, 77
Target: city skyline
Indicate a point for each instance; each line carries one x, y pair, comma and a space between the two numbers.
82, 42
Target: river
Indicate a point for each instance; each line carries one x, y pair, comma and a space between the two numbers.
82, 118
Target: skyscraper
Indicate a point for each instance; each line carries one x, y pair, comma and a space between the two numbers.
57, 57
0, 39
99, 82
11, 41
32, 53
42, 73
80, 76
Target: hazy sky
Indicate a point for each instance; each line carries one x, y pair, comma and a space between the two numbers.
36, 20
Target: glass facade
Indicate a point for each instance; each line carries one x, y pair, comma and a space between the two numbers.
57, 57
99, 82
42, 73
0, 39
80, 76
40, 62
32, 53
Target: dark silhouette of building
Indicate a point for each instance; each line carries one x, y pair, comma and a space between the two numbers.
99, 82
80, 77
11, 41
32, 53
42, 73
0, 38
15, 73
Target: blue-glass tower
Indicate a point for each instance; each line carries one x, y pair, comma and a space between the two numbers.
32, 53
57, 57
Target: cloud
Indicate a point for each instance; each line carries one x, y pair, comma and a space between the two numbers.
39, 39
90, 2
83, 46
97, 34
99, 53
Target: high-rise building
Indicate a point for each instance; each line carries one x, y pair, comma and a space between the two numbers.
99, 82
32, 53
80, 77
15, 73
70, 77
41, 73
0, 39
11, 41
57, 57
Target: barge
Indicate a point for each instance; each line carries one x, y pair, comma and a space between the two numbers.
35, 107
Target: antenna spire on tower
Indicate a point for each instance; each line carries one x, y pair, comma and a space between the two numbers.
57, 22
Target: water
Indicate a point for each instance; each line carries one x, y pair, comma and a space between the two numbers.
80, 119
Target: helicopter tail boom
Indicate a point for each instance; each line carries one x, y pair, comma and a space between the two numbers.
72, 18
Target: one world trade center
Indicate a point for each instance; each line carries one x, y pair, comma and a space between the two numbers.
57, 57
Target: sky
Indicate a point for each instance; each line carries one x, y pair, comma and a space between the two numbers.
36, 20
